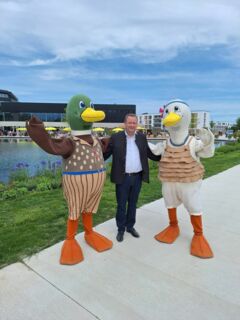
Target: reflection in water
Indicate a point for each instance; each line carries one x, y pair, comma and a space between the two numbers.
24, 154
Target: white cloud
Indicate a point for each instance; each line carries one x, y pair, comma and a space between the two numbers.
144, 30
217, 78
32, 63
46, 50
86, 74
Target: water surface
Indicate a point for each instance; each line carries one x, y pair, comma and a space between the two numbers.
16, 154
24, 154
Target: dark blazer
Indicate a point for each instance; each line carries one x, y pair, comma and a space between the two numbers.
117, 148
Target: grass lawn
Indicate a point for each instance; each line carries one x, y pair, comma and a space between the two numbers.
37, 220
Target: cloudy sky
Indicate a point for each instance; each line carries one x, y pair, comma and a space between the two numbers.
143, 52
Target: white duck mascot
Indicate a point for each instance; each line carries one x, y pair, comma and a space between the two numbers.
181, 173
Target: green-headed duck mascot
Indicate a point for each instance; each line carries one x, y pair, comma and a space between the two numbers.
83, 173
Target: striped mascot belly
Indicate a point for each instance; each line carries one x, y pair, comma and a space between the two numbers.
83, 178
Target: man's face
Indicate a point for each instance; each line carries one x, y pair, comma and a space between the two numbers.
131, 125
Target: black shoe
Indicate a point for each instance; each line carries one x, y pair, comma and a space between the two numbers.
119, 236
133, 232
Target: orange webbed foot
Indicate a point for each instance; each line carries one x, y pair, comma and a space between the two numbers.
97, 241
168, 235
200, 247
71, 252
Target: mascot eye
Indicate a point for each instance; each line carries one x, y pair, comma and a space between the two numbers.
176, 108
92, 105
166, 111
81, 104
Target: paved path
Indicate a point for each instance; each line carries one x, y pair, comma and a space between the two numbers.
138, 278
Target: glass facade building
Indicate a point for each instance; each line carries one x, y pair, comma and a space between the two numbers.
12, 110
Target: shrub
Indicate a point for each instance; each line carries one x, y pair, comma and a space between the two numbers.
44, 185
55, 183
20, 183
19, 175
9, 194
21, 191
31, 185
230, 147
2, 187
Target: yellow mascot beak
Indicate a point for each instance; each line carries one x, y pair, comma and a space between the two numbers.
91, 115
171, 119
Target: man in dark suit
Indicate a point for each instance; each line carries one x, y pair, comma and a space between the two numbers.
130, 153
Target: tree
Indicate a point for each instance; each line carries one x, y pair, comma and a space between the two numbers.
238, 123
236, 128
212, 124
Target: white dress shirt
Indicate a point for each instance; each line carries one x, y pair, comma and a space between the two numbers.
133, 162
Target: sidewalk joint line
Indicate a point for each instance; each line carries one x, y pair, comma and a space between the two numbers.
60, 290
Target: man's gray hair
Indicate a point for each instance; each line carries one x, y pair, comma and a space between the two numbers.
130, 115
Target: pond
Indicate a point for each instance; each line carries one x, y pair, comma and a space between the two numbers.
16, 154
24, 154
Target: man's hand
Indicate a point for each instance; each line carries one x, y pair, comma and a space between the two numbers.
206, 136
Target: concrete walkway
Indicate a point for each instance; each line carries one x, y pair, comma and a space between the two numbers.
138, 278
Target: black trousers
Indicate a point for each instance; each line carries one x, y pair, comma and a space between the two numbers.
127, 196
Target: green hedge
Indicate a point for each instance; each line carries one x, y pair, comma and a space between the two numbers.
20, 183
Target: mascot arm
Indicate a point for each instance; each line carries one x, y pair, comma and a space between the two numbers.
152, 156
107, 147
157, 149
104, 143
204, 148
63, 147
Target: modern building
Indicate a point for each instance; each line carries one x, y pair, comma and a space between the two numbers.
200, 119
14, 113
222, 128
7, 96
150, 121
